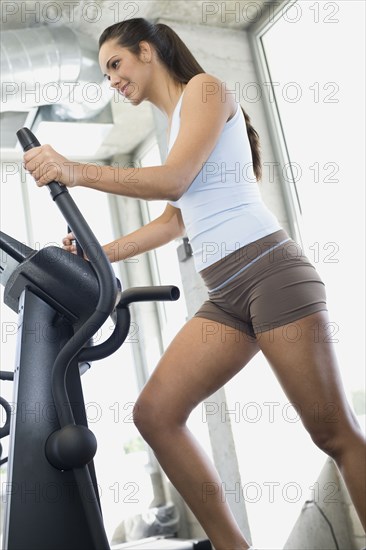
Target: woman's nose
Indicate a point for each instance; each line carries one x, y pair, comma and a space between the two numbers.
115, 81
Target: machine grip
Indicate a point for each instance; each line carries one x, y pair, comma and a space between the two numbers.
28, 140
149, 294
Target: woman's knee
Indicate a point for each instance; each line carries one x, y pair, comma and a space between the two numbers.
335, 440
145, 416
327, 442
153, 416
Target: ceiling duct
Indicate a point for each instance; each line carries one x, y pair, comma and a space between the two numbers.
52, 66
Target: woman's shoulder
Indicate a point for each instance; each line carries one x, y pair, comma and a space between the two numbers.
205, 82
209, 89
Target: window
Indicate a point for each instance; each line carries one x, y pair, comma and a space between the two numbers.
164, 261
311, 62
319, 96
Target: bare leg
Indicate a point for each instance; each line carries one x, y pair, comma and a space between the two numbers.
308, 372
191, 369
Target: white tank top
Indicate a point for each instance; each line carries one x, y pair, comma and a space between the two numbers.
222, 209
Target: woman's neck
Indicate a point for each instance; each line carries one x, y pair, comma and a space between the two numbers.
165, 94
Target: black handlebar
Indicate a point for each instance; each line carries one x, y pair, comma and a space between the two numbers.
106, 279
28, 140
82, 232
123, 318
149, 293
14, 248
55, 446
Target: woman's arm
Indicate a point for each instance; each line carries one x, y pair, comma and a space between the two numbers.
160, 231
206, 107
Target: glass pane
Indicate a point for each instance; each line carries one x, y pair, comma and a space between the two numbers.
320, 98
173, 314
315, 56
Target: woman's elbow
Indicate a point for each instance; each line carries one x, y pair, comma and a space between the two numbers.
174, 195
180, 187
178, 184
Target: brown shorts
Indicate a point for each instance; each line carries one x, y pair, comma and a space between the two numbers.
263, 285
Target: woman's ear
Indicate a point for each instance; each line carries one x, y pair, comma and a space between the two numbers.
145, 51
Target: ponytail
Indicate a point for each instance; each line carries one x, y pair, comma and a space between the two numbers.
176, 57
254, 146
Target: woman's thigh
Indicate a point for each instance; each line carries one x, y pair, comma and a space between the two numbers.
202, 357
302, 355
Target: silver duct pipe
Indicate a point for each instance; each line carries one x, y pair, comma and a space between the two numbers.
51, 66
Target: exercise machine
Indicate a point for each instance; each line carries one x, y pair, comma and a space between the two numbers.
62, 300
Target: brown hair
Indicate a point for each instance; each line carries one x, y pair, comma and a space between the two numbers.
177, 58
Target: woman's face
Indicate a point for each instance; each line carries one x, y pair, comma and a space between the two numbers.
128, 74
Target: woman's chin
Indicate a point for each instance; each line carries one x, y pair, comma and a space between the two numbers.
134, 100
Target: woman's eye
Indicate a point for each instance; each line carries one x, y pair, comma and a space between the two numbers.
115, 64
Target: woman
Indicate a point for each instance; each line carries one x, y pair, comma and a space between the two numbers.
258, 280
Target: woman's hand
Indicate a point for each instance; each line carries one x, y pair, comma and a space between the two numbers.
46, 165
69, 243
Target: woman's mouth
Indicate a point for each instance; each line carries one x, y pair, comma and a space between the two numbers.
123, 89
